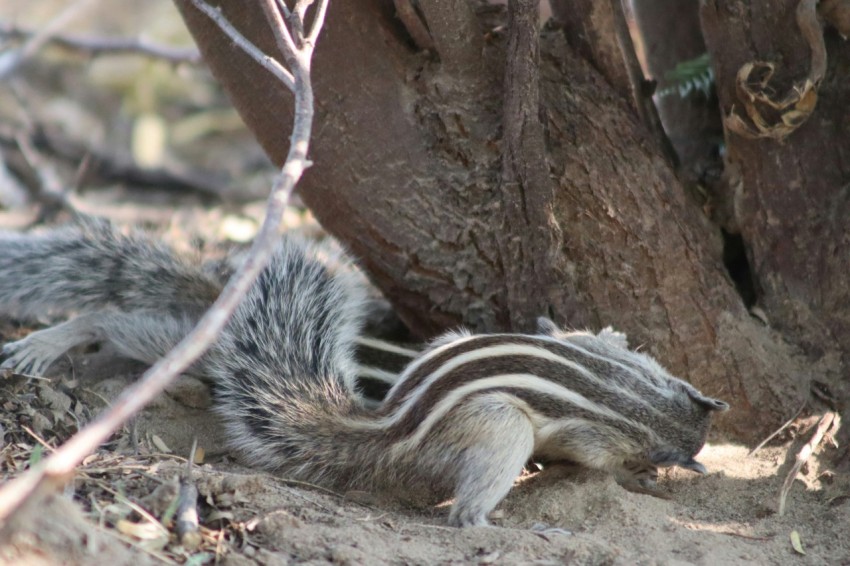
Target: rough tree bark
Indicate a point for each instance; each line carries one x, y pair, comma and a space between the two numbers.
589, 29
793, 196
598, 32
492, 185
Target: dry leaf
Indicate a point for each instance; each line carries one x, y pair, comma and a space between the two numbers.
796, 543
160, 444
141, 531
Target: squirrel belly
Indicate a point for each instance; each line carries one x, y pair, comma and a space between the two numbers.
462, 417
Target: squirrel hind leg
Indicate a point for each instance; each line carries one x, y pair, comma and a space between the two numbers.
35, 353
489, 458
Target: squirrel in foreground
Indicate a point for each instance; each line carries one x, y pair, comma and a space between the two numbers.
461, 420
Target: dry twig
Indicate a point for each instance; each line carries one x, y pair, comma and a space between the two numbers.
10, 60
269, 63
108, 45
55, 470
829, 422
761, 444
104, 166
186, 520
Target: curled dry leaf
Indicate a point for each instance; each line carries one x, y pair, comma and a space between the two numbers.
771, 116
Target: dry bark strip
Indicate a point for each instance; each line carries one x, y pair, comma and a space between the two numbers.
828, 423
671, 33
527, 190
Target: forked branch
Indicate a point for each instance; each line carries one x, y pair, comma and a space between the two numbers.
59, 466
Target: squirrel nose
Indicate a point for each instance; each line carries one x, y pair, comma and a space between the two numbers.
692, 464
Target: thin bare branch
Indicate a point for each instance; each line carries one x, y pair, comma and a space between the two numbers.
11, 59
268, 63
284, 41
301, 15
773, 435
51, 193
55, 470
301, 7
318, 22
284, 8
107, 167
108, 45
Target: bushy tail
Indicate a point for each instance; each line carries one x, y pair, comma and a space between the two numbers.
284, 369
90, 266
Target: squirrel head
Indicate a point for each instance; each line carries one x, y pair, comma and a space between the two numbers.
683, 415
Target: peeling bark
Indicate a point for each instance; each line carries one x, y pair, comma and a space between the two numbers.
671, 34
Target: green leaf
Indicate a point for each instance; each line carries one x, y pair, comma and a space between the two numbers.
693, 75
35, 455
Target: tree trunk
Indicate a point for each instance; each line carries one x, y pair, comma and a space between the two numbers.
494, 185
792, 201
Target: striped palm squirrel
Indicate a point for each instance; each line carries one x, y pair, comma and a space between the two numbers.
461, 419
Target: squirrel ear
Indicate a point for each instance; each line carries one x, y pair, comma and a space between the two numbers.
546, 327
708, 402
614, 338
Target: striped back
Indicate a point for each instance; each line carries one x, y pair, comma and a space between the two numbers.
379, 365
577, 376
